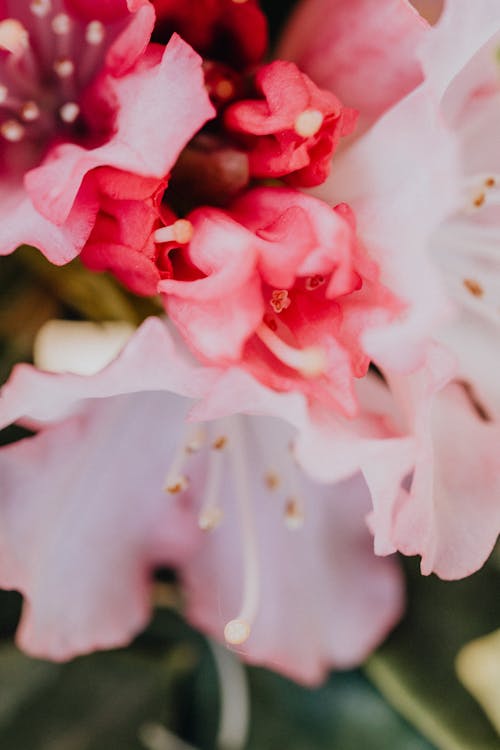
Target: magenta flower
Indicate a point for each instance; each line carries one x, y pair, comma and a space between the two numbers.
80, 89
236, 513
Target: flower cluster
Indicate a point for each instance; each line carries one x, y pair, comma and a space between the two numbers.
305, 375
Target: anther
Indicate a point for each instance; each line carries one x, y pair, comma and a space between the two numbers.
272, 480
474, 287
236, 632
61, 24
210, 518
219, 443
177, 484
224, 89
40, 8
196, 441
30, 111
308, 123
94, 33
479, 200
294, 515
69, 112
12, 131
64, 67
180, 231
13, 36
490, 182
280, 300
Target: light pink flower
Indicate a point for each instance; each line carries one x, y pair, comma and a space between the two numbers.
85, 518
402, 179
80, 89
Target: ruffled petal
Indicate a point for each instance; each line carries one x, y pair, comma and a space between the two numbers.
364, 52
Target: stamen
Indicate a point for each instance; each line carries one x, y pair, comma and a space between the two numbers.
61, 24
40, 8
237, 631
69, 112
180, 231
196, 440
12, 131
176, 481
30, 111
294, 514
4, 93
64, 67
94, 33
13, 36
310, 362
211, 513
308, 123
474, 287
280, 300
272, 480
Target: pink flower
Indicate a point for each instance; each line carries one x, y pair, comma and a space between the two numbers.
286, 291
84, 518
79, 91
294, 129
403, 178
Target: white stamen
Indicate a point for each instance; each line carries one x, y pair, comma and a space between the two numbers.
310, 362
12, 131
30, 111
280, 300
211, 514
69, 112
94, 33
237, 630
40, 8
180, 231
13, 36
176, 480
64, 67
61, 24
308, 123
4, 93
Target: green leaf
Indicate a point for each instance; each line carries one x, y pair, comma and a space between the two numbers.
415, 668
346, 714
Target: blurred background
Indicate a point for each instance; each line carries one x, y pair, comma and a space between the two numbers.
426, 688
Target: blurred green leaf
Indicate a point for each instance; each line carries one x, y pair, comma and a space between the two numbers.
415, 668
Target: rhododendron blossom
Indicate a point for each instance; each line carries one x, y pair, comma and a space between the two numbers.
287, 292
451, 515
80, 89
231, 477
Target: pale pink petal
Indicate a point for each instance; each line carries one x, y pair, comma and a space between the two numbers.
323, 600
84, 520
463, 42
160, 107
149, 362
363, 51
401, 180
452, 516
21, 224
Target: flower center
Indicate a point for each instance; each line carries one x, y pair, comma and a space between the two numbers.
47, 58
224, 446
467, 247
